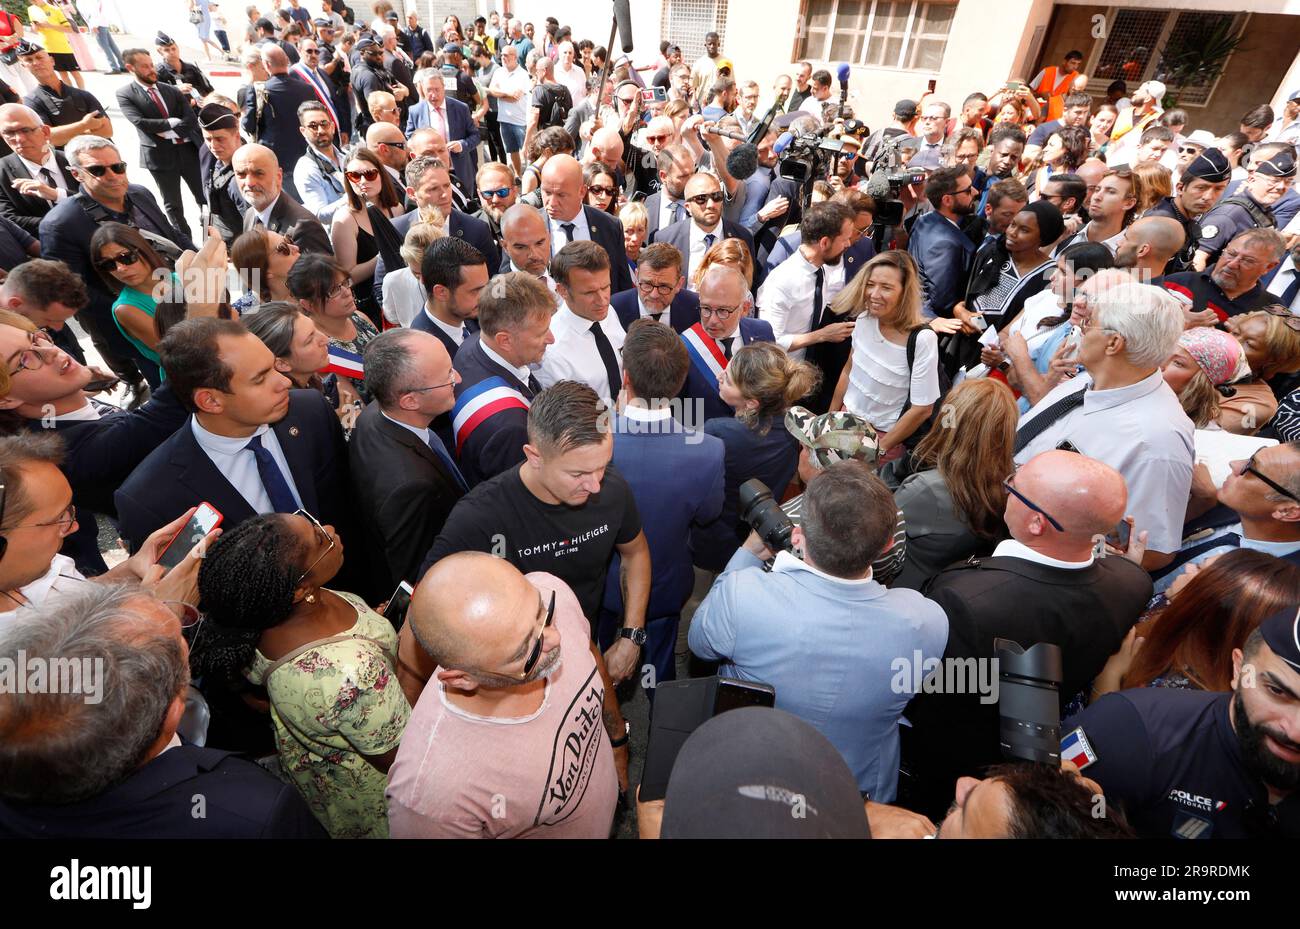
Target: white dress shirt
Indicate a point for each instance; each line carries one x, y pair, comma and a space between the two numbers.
1010, 548
581, 231
546, 278
236, 462
698, 248
786, 297
520, 371
455, 333
51, 165
62, 577
645, 313
422, 434
264, 216
1287, 273
574, 357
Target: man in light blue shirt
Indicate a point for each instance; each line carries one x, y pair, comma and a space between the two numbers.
821, 631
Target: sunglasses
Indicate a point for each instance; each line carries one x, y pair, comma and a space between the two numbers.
1251, 469
657, 139
1188, 150
1291, 320
536, 653
101, 170
125, 260
499, 194
401, 145
1006, 485
701, 199
367, 175
601, 190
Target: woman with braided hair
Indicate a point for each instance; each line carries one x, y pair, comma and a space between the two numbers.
326, 660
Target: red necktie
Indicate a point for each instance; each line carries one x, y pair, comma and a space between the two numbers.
157, 101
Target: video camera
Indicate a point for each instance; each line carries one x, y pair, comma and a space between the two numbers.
807, 158
889, 177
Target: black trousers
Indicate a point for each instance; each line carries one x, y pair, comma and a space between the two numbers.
491, 132
185, 167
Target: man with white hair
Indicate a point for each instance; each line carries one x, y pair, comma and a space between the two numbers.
725, 327
35, 175
1121, 411
449, 118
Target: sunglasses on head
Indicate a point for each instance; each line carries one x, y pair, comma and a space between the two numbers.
701, 199
124, 260
101, 170
367, 175
1288, 318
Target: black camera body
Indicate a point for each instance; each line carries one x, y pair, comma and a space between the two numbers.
809, 158
760, 509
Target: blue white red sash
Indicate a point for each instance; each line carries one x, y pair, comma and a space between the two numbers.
480, 403
322, 93
344, 362
705, 354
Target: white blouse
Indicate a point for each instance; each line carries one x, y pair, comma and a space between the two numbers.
404, 297
879, 380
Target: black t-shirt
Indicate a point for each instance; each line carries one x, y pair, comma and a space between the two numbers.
61, 110
502, 517
553, 101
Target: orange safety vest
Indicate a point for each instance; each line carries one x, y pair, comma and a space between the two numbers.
1054, 92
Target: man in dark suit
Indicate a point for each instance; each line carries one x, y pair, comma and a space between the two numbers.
711, 343
660, 289
65, 233
168, 129
649, 444
259, 177
403, 475
35, 176
221, 140
675, 165
252, 445
1045, 584
121, 776
428, 183
449, 118
276, 126
563, 193
491, 413
942, 252
705, 228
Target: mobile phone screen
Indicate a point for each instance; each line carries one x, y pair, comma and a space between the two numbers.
398, 604
205, 519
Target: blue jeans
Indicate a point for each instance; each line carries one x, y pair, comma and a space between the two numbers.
512, 136
111, 51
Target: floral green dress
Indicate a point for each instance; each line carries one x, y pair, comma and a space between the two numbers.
331, 705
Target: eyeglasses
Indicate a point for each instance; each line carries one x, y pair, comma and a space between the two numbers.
721, 313
29, 359
1250, 468
420, 390
627, 101
324, 537
401, 145
338, 290
536, 653
964, 190
649, 287
367, 175
311, 51
1006, 485
14, 131
106, 264
499, 194
100, 170
701, 199
601, 190
1291, 320
67, 519
317, 127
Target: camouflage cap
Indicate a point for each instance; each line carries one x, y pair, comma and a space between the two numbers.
833, 437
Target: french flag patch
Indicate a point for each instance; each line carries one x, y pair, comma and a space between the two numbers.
344, 363
1075, 748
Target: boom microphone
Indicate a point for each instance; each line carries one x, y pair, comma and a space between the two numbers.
713, 130
782, 143
623, 14
743, 161
842, 71
878, 186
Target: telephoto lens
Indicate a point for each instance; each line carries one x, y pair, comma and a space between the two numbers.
765, 516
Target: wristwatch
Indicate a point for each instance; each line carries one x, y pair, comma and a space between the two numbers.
636, 635
627, 734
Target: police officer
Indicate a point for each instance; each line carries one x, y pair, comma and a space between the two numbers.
1264, 185
335, 67
221, 138
1200, 186
1198, 764
172, 70
368, 75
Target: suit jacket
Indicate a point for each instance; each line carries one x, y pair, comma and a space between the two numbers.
607, 232
943, 254
463, 226
157, 154
27, 210
226, 204
421, 323
653, 204
643, 454
855, 257
289, 217
683, 313
1086, 612
678, 235
697, 388
498, 443
403, 491
767, 234
278, 129
461, 128
178, 474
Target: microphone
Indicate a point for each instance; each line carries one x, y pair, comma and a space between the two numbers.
623, 14
743, 161
782, 143
727, 135
878, 186
842, 71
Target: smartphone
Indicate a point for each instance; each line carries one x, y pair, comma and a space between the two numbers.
733, 694
654, 95
1119, 536
1072, 341
101, 384
205, 519
929, 88
398, 603
979, 322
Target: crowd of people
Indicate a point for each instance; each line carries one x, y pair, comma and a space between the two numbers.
510, 326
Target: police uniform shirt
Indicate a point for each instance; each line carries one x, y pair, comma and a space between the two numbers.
1182, 260
189, 74
1170, 758
61, 109
1199, 287
1223, 223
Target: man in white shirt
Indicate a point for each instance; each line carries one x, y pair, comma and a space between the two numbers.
821, 92
705, 69
35, 174
570, 74
511, 86
588, 337
1110, 211
1120, 411
527, 240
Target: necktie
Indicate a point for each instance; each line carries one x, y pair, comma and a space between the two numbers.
157, 101
709, 239
277, 488
1227, 540
464, 332
675, 211
444, 456
609, 359
657, 317
534, 387
726, 347
818, 279
1292, 289
1040, 423
442, 123
49, 178
568, 230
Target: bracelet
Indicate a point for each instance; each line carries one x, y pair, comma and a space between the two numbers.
619, 743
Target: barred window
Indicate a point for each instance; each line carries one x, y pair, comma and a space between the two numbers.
907, 34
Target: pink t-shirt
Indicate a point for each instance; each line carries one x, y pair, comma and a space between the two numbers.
548, 775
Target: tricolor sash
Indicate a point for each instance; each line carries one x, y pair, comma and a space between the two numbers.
322, 93
344, 363
705, 354
480, 403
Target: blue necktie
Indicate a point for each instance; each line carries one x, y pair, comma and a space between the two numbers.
444, 456
1289, 295
277, 488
